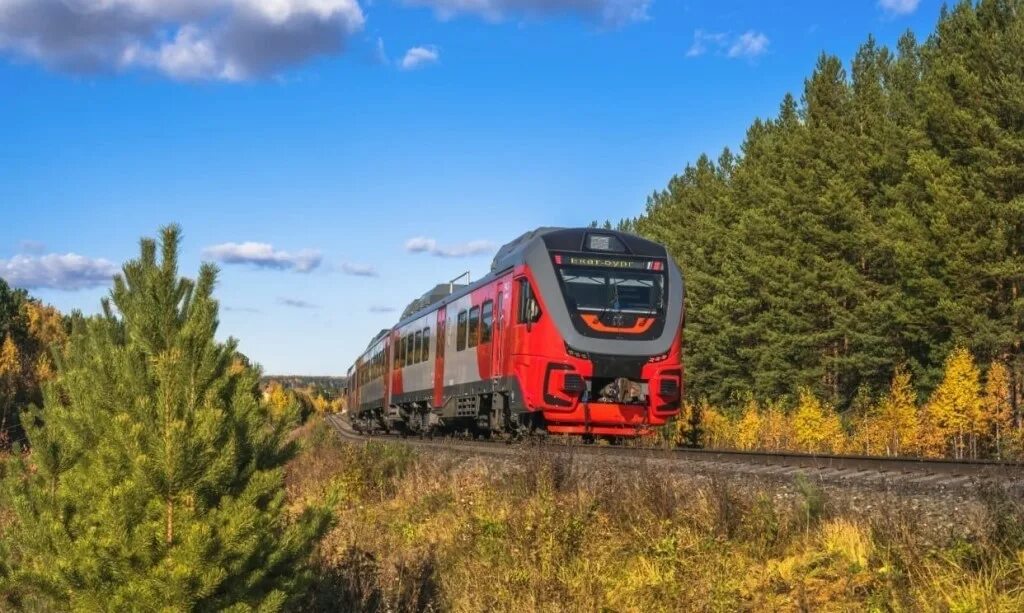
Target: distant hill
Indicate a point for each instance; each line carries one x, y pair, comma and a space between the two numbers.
329, 386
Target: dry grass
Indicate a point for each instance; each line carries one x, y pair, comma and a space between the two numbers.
542, 532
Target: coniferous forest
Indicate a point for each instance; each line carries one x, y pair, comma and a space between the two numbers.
874, 226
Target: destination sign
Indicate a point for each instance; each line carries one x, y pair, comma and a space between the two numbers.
608, 262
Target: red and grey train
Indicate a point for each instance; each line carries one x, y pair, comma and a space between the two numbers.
574, 331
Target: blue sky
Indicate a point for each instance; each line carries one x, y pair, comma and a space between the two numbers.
339, 157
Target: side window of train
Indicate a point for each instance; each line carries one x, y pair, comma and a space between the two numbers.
460, 332
474, 326
529, 310
486, 322
425, 352
399, 350
416, 347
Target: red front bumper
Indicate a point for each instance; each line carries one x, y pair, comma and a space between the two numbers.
605, 419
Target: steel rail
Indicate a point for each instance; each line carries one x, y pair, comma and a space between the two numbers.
924, 467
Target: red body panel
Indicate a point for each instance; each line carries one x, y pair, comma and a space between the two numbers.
532, 359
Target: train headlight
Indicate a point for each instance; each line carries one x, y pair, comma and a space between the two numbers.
573, 383
583, 355
668, 388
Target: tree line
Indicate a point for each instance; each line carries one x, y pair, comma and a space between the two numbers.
865, 232
32, 337
964, 417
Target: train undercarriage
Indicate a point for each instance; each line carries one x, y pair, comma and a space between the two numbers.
492, 415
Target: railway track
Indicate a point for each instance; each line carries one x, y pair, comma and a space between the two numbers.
915, 473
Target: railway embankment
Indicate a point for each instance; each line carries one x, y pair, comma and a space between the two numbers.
444, 526
944, 499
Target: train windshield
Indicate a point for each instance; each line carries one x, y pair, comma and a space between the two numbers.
603, 290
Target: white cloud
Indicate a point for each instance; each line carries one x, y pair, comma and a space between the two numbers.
263, 255
182, 39
239, 309
610, 13
898, 7
464, 249
702, 40
421, 244
380, 54
358, 270
296, 303
420, 56
381, 309
68, 271
749, 44
32, 246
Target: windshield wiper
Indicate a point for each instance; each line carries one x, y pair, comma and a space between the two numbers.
611, 303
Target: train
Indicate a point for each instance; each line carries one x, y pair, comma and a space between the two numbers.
574, 331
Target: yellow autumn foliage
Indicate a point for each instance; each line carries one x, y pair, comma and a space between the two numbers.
776, 429
718, 430
997, 409
952, 419
748, 428
816, 427
281, 404
10, 359
895, 422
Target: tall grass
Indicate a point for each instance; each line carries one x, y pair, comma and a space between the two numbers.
549, 532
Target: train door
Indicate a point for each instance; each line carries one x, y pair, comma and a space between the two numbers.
520, 317
439, 342
498, 341
485, 345
385, 367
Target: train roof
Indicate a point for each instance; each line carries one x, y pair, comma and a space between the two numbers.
514, 252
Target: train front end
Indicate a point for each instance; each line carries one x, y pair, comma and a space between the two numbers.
603, 352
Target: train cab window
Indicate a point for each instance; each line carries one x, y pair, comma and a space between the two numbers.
486, 321
474, 326
425, 350
416, 347
529, 310
399, 352
460, 331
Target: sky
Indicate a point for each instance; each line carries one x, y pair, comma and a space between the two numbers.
337, 158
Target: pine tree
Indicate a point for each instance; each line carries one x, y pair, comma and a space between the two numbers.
155, 480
